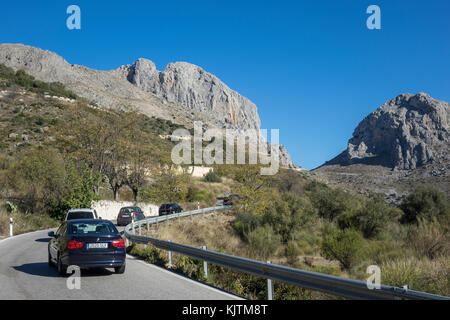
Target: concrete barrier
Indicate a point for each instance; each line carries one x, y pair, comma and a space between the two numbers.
109, 210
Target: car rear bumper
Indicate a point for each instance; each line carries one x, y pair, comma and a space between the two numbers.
96, 259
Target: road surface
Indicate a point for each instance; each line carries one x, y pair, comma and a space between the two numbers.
25, 274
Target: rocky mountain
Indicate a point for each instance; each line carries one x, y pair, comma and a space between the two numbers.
181, 93
403, 143
194, 88
406, 132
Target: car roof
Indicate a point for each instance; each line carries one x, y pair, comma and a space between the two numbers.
82, 210
87, 220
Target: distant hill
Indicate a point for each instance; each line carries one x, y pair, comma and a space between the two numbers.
404, 142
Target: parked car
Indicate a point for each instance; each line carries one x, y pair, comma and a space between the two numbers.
87, 243
169, 208
129, 214
86, 213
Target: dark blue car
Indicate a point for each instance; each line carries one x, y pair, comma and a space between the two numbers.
87, 243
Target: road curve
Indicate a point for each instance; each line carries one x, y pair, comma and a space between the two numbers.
25, 274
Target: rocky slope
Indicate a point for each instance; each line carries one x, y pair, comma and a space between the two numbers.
181, 93
403, 143
194, 88
407, 132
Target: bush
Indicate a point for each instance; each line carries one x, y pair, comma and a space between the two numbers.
263, 241
292, 251
341, 245
246, 222
203, 195
288, 215
211, 176
429, 239
329, 203
426, 203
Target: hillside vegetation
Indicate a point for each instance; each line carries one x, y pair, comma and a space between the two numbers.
58, 151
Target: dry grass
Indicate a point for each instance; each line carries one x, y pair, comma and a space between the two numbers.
431, 276
213, 230
25, 223
429, 239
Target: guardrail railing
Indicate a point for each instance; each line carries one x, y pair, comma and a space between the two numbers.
348, 288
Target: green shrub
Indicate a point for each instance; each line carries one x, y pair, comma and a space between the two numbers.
246, 222
292, 251
329, 203
211, 176
342, 245
426, 203
263, 241
203, 195
288, 215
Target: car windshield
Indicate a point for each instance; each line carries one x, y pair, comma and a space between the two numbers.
80, 215
96, 227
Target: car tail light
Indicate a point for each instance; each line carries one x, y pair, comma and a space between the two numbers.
119, 243
73, 244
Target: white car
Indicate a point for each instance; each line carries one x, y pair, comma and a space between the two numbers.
86, 213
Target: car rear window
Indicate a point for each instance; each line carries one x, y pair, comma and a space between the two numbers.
80, 215
97, 227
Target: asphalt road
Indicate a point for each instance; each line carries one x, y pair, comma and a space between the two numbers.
25, 274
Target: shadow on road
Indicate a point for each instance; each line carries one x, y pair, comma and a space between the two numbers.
42, 269
38, 269
43, 240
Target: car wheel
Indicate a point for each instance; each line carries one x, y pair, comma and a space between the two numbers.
61, 268
120, 269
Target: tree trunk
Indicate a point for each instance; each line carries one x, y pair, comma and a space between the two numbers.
116, 193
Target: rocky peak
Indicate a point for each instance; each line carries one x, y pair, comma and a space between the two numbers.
194, 88
406, 132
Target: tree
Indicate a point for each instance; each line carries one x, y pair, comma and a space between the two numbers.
253, 189
426, 203
169, 186
342, 245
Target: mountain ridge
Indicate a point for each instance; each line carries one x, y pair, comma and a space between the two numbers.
173, 94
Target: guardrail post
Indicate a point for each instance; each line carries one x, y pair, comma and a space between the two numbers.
148, 226
140, 225
11, 227
269, 287
205, 265
134, 232
170, 255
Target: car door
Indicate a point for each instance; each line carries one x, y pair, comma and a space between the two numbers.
54, 242
63, 240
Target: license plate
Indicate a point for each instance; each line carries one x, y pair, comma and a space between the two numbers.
97, 246
125, 215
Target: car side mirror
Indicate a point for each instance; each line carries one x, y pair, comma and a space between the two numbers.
51, 234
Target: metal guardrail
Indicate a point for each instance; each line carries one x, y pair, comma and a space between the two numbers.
348, 288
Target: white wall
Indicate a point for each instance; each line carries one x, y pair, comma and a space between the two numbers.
109, 210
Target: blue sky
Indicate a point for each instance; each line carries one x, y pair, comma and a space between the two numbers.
312, 67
